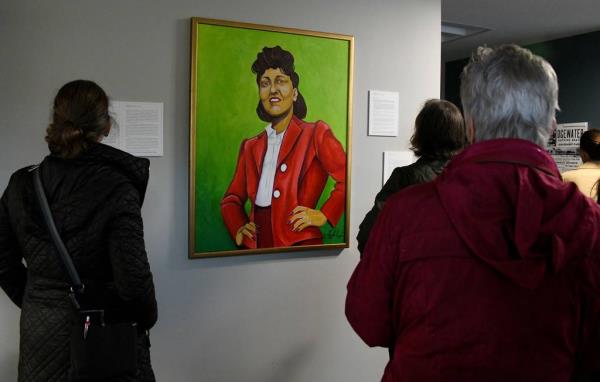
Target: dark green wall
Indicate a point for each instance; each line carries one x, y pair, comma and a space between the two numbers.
576, 60
452, 80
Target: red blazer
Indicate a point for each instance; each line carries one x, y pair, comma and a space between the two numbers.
309, 154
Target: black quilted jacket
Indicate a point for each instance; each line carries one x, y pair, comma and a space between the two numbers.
96, 201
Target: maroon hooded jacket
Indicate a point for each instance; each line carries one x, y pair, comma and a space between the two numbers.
489, 273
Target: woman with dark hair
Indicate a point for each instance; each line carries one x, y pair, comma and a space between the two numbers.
440, 133
95, 193
283, 170
586, 175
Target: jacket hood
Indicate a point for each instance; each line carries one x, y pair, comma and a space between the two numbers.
508, 203
135, 169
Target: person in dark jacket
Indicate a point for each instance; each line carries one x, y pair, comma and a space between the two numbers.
490, 272
95, 193
439, 133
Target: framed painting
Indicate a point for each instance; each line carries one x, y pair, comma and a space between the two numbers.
270, 124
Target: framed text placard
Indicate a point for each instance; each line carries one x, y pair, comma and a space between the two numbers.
270, 124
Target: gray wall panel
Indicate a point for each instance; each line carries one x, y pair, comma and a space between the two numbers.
271, 318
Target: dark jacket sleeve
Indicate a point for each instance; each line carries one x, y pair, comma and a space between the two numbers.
422, 171
131, 270
400, 178
13, 274
364, 229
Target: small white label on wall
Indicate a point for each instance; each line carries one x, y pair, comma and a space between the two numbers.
138, 128
383, 113
393, 159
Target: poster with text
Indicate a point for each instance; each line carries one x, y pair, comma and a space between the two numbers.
564, 145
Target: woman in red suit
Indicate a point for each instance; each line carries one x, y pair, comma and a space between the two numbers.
283, 170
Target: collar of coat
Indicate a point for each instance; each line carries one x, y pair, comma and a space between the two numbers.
135, 168
292, 132
508, 150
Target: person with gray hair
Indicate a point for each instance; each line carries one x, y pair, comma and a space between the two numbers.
490, 272
509, 92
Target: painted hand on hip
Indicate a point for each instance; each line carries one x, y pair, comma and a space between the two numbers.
303, 217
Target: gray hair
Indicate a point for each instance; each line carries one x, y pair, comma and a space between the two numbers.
509, 93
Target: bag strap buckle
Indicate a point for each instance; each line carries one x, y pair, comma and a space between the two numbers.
73, 295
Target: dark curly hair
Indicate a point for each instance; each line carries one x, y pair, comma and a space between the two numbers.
79, 116
439, 130
278, 58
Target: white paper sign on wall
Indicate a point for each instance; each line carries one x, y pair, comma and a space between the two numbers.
393, 159
138, 128
383, 113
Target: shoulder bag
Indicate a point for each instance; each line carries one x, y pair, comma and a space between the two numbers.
99, 351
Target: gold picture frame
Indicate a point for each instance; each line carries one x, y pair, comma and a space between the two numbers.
227, 136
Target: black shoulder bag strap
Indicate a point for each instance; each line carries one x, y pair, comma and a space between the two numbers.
76, 284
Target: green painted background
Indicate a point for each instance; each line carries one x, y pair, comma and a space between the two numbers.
226, 99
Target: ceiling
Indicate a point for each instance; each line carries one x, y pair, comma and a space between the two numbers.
522, 22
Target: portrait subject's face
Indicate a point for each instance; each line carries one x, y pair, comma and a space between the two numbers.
277, 93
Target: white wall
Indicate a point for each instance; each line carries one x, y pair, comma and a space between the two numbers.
259, 318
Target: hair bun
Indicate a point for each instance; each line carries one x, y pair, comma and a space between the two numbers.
80, 116
70, 126
65, 137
